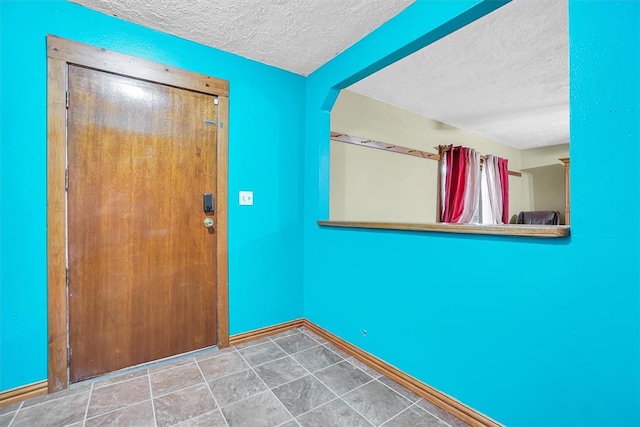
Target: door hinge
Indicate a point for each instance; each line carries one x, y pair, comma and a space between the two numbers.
67, 99
66, 276
215, 101
68, 356
66, 179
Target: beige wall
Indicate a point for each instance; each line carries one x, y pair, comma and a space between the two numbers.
546, 189
544, 156
376, 185
543, 179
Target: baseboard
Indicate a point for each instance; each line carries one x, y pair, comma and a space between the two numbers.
21, 393
429, 393
264, 332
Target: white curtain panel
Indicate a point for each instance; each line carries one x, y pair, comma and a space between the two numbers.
472, 190
443, 181
491, 192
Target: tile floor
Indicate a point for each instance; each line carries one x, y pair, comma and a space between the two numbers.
291, 379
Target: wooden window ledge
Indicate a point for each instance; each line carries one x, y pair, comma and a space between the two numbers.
547, 231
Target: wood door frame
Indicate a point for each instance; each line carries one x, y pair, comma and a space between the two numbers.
61, 53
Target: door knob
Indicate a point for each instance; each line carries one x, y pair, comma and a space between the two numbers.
208, 222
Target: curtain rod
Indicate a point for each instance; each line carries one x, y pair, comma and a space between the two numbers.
379, 145
483, 157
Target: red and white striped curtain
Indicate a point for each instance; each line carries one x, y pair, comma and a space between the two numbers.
459, 184
470, 192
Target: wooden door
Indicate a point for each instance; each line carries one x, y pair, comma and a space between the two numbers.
141, 262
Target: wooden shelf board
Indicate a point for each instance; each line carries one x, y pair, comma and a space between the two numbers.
520, 230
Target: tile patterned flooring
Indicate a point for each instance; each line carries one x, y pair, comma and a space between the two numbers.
291, 379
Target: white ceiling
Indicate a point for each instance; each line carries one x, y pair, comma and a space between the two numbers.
295, 35
504, 76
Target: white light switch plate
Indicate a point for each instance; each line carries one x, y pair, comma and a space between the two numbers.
246, 198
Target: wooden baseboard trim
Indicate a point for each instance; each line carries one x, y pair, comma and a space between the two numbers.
429, 393
22, 393
264, 332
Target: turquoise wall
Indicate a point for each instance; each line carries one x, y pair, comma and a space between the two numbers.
265, 155
530, 332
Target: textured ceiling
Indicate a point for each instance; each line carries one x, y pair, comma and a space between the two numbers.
294, 35
505, 76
